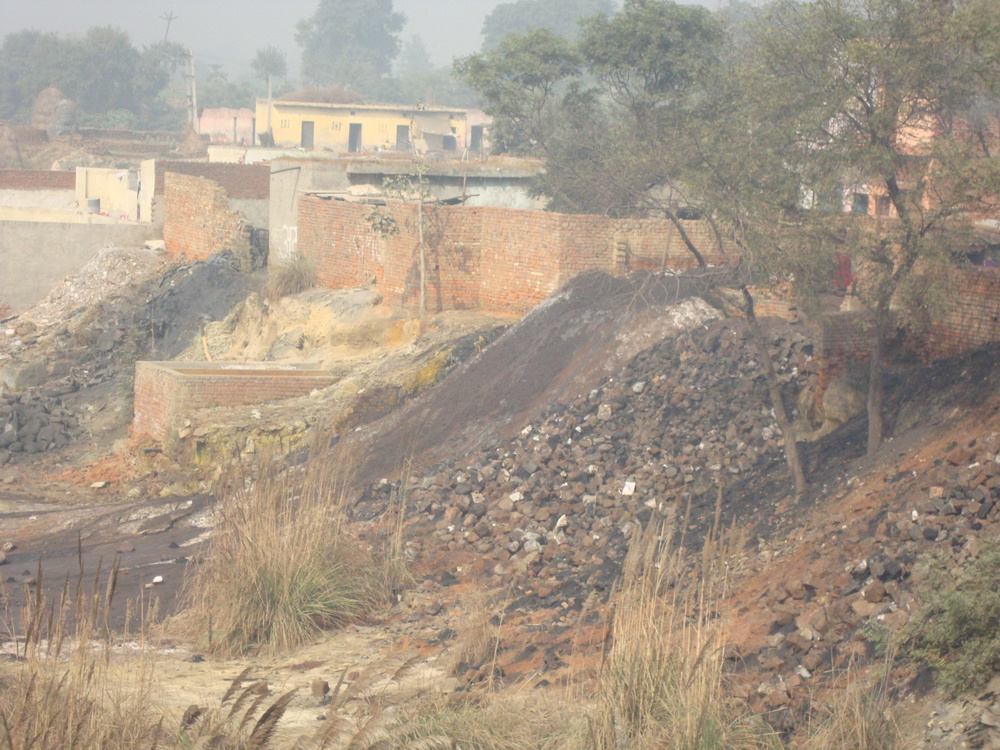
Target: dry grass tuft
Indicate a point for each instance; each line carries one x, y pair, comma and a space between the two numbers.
289, 278
281, 567
480, 640
240, 721
68, 691
863, 716
507, 722
662, 680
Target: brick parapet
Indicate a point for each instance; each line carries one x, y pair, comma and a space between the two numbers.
167, 391
247, 181
36, 179
498, 259
969, 315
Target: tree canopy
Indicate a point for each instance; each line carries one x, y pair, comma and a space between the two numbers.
767, 121
558, 16
349, 42
519, 81
268, 63
101, 71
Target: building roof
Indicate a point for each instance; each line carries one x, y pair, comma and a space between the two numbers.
369, 107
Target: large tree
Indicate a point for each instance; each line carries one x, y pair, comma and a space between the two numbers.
100, 70
349, 42
882, 92
520, 83
626, 145
558, 16
269, 63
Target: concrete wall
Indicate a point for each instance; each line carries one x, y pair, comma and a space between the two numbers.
116, 189
256, 211
37, 195
225, 125
34, 256
59, 200
219, 153
289, 179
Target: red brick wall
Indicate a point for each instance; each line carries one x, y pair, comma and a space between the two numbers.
164, 395
841, 338
499, 259
250, 181
156, 401
338, 240
970, 316
31, 179
520, 256
197, 222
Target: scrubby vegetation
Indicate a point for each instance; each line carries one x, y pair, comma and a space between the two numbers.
289, 278
957, 630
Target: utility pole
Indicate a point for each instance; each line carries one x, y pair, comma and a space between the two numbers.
269, 107
168, 17
192, 90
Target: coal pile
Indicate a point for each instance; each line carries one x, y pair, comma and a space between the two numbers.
562, 348
552, 510
34, 424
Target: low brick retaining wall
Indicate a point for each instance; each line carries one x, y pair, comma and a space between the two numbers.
166, 391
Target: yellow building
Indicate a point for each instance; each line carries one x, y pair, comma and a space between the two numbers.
355, 128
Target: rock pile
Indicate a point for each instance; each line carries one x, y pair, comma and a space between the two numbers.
550, 512
553, 509
33, 424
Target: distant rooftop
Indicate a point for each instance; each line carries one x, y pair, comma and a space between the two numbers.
368, 107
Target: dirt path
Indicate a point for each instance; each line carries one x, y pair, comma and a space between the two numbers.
71, 543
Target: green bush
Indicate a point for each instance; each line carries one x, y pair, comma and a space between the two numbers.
957, 631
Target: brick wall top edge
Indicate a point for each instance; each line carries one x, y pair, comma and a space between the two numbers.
248, 181
37, 179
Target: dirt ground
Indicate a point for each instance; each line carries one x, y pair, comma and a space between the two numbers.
426, 396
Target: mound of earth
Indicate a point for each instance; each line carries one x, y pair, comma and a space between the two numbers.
683, 436
582, 333
124, 305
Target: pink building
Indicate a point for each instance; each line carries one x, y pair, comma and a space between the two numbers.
224, 125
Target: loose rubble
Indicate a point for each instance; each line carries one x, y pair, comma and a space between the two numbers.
549, 513
686, 419
33, 425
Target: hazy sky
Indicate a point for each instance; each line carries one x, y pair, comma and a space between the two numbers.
229, 32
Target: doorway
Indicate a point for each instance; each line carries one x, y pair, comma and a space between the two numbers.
402, 137
307, 134
354, 138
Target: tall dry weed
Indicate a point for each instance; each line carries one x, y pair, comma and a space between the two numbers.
281, 565
863, 715
662, 681
506, 721
297, 275
68, 690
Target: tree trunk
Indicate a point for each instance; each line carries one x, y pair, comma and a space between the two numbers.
876, 381
685, 238
774, 389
